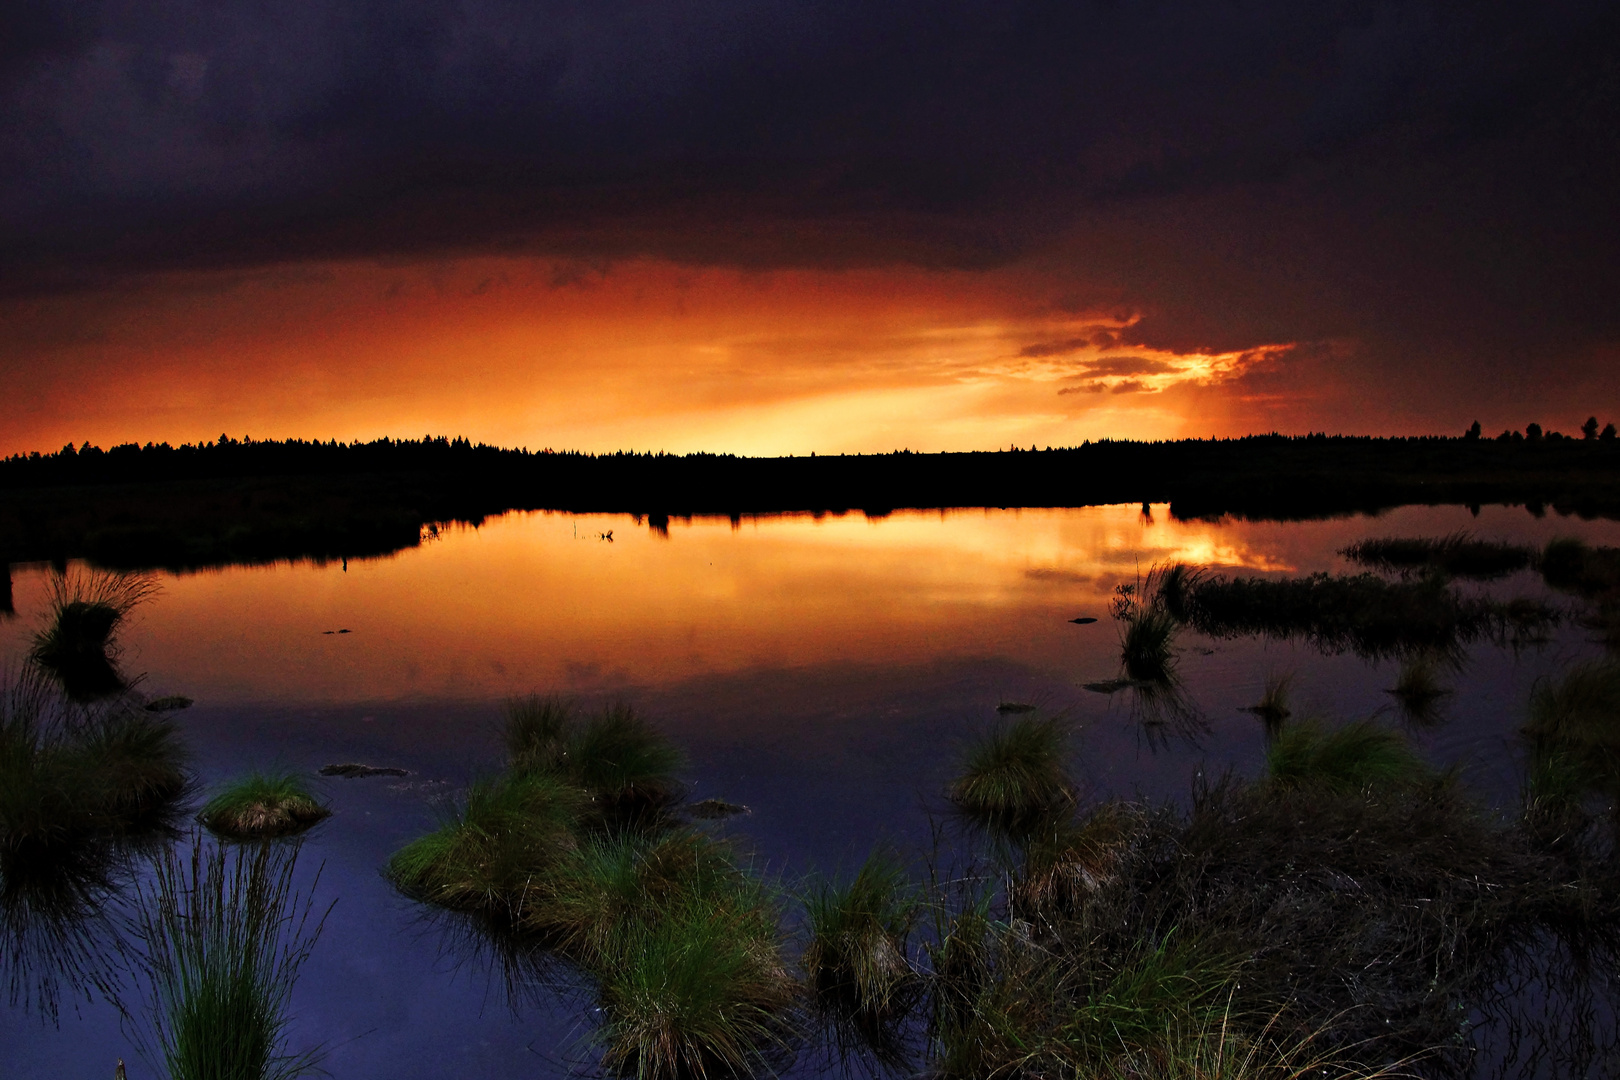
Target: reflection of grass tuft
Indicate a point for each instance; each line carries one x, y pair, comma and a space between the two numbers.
859, 930
1016, 772
263, 805
1350, 758
224, 938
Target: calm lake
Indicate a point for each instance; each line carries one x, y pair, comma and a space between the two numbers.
824, 671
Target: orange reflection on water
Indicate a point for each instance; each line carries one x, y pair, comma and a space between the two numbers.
544, 601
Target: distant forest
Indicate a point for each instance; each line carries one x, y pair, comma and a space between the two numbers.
246, 501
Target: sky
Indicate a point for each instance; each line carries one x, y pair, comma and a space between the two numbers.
784, 227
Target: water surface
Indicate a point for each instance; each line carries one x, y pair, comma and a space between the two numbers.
822, 670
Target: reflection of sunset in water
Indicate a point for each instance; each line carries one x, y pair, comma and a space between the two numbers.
542, 600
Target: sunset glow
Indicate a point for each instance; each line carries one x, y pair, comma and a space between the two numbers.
643, 355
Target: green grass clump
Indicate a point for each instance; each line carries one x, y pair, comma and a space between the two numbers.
66, 777
615, 755
86, 611
701, 990
617, 878
538, 730
1015, 773
860, 929
1346, 759
223, 938
263, 805
623, 761
1457, 554
1574, 735
493, 853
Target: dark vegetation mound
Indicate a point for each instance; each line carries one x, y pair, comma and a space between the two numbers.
1454, 555
1591, 573
1363, 613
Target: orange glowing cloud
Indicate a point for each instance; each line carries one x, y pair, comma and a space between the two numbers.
643, 355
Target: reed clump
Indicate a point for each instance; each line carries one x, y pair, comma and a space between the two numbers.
223, 936
615, 755
1350, 758
1418, 689
1149, 612
1457, 554
1275, 704
1016, 773
569, 853
67, 776
76, 645
1363, 613
262, 806
858, 957
1591, 573
491, 854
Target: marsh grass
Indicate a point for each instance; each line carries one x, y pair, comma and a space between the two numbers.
1591, 573
261, 806
76, 644
1016, 773
1364, 614
623, 761
223, 936
1418, 689
1456, 554
699, 991
616, 755
68, 775
1275, 705
492, 853
1573, 731
858, 958
1350, 758
1149, 612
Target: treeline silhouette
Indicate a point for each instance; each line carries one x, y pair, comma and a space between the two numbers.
243, 500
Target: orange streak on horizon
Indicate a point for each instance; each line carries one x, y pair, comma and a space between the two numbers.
641, 355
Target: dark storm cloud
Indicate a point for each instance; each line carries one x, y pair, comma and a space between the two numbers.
1127, 365
1243, 172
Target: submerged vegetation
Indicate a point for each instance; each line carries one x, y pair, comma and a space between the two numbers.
263, 805
223, 935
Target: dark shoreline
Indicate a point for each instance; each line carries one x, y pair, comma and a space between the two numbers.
244, 502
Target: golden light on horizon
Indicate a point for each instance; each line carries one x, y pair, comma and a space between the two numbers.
639, 355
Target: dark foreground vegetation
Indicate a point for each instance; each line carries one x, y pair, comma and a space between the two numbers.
245, 501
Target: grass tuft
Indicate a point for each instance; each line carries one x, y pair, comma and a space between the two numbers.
223, 937
537, 732
699, 991
86, 610
623, 761
857, 958
1351, 758
1273, 708
490, 855
263, 805
1418, 688
1016, 773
